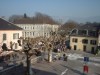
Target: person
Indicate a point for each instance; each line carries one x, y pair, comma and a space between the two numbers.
65, 57
4, 47
38, 53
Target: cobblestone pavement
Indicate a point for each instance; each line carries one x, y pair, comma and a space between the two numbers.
74, 65
45, 68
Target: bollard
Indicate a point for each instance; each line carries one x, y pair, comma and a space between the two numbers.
85, 69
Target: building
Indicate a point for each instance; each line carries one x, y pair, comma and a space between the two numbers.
99, 39
32, 30
85, 38
9, 35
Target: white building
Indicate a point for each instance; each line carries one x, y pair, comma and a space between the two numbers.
35, 30
9, 34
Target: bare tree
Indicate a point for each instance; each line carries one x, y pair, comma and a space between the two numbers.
68, 26
39, 18
14, 17
43, 18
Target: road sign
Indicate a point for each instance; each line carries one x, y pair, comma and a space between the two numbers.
86, 59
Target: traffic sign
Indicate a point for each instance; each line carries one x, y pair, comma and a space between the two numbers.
86, 59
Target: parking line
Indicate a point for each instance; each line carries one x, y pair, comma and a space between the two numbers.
64, 72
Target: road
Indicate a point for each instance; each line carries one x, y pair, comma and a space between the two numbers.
74, 66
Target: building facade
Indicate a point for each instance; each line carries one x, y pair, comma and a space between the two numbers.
99, 39
9, 35
32, 30
84, 38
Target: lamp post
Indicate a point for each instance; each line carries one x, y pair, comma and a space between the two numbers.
27, 48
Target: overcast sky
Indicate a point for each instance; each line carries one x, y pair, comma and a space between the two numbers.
56, 8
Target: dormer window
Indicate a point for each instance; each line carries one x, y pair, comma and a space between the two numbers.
74, 31
82, 32
92, 33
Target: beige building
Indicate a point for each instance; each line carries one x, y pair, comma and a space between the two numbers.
84, 38
9, 35
83, 43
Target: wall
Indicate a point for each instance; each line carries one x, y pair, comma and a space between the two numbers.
9, 37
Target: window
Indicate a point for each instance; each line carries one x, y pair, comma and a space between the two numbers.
74, 40
28, 28
4, 37
16, 36
25, 34
85, 41
92, 33
93, 42
30, 33
25, 27
33, 33
84, 32
15, 45
74, 31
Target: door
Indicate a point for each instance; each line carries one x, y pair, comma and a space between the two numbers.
92, 50
84, 47
75, 47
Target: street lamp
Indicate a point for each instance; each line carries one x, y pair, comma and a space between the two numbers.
26, 49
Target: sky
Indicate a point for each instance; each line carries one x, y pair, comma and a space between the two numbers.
64, 9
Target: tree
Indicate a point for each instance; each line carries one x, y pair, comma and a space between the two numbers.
44, 19
67, 27
14, 17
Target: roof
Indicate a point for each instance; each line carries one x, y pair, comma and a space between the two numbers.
92, 30
28, 20
23, 21
5, 25
87, 27
90, 26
